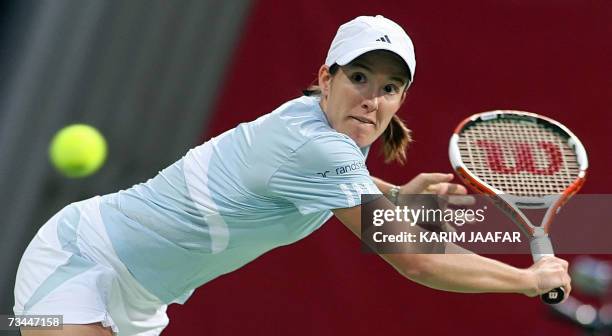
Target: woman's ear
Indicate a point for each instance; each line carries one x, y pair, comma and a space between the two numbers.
324, 80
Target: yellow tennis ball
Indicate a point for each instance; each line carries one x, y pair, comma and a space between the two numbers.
77, 150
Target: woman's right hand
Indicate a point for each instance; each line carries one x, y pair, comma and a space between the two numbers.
548, 273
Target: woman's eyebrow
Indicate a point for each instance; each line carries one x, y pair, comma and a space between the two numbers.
399, 79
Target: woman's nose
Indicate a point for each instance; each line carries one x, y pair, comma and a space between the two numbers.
370, 102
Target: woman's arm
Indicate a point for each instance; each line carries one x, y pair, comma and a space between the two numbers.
383, 186
431, 183
463, 271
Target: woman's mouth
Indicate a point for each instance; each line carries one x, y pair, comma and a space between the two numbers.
363, 120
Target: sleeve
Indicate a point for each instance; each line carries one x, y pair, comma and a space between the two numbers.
327, 172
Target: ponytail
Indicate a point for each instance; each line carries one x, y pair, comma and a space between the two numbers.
396, 139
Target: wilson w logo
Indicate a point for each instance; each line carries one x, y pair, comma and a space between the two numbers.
523, 158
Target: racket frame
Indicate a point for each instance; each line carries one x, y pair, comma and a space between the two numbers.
540, 243
510, 203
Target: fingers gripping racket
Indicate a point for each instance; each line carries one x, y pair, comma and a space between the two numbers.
526, 161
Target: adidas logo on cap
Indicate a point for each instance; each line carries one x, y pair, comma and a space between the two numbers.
384, 39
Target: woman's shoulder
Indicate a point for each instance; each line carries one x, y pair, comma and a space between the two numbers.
303, 121
303, 117
330, 147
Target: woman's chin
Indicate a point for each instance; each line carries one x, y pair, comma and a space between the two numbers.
362, 140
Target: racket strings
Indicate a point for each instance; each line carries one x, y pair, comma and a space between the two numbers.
520, 158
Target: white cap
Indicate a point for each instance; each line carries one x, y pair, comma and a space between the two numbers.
367, 33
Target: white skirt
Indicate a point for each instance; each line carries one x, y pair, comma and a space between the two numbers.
70, 268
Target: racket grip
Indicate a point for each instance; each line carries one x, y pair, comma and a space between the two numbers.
541, 246
554, 296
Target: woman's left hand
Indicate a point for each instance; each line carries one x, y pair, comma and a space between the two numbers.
433, 183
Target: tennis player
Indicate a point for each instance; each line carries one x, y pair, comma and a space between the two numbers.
112, 264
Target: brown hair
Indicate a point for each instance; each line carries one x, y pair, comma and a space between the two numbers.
396, 139
313, 89
396, 136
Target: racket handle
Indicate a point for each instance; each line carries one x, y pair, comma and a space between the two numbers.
540, 247
554, 296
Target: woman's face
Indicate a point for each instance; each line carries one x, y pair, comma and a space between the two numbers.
360, 99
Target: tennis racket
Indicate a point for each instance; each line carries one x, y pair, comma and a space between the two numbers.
525, 161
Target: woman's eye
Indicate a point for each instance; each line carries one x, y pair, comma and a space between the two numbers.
390, 88
358, 77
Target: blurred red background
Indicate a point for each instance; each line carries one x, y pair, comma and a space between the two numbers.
550, 57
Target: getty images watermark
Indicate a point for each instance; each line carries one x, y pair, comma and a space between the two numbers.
412, 216
431, 223
425, 223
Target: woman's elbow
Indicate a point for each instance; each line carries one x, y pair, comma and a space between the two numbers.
417, 267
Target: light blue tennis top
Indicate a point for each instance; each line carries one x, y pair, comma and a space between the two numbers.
263, 184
